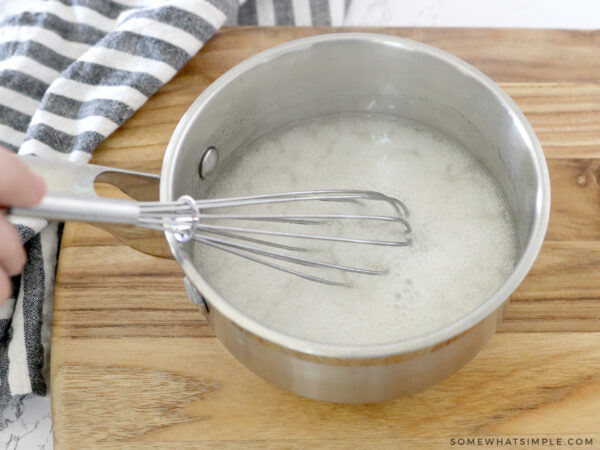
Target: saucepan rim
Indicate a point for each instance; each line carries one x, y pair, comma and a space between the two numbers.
433, 338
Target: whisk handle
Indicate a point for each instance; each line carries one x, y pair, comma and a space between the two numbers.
79, 208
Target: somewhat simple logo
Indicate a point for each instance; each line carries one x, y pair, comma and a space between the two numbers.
506, 441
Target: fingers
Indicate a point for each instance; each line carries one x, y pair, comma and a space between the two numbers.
5, 287
12, 254
19, 185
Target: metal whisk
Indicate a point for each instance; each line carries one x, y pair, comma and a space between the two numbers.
191, 219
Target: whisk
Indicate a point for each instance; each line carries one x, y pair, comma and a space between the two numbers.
189, 219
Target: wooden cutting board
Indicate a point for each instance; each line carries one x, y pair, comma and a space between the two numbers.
135, 365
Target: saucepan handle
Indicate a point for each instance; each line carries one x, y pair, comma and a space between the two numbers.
72, 196
69, 177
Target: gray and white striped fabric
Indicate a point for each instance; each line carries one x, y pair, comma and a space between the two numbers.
293, 12
71, 72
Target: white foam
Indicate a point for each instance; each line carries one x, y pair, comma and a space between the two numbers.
464, 244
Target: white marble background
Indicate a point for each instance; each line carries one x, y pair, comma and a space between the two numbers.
26, 423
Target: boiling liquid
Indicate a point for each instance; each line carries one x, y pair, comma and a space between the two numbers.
463, 247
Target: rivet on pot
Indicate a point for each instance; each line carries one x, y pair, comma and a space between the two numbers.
209, 161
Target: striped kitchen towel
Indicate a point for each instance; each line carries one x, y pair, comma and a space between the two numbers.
71, 72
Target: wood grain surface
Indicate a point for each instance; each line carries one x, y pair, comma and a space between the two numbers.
134, 364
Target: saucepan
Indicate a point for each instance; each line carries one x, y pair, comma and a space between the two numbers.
346, 73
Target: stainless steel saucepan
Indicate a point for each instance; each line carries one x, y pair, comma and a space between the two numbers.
349, 73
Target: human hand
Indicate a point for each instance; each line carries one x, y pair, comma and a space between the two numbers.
19, 186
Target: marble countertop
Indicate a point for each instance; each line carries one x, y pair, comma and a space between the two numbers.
26, 423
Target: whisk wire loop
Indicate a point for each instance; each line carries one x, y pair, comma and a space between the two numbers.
190, 219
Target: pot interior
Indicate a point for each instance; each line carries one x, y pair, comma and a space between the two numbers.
365, 74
